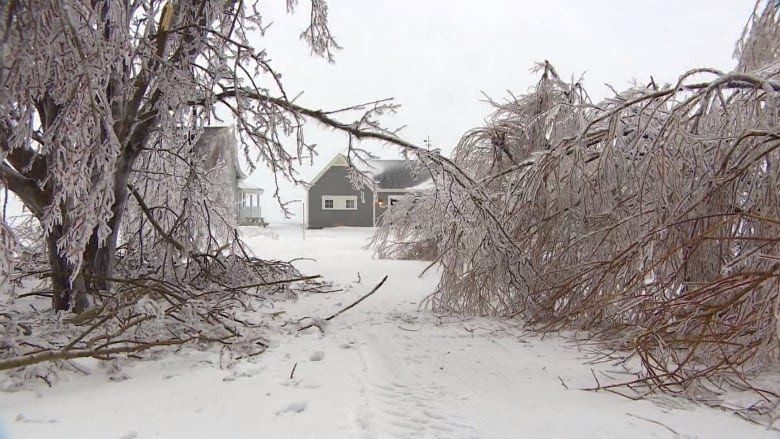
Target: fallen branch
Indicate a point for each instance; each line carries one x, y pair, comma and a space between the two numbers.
348, 307
277, 282
52, 355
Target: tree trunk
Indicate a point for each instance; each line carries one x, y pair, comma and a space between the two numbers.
98, 259
66, 293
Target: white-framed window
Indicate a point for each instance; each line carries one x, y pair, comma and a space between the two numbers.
339, 202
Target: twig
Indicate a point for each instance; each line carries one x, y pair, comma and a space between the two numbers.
598, 384
324, 291
563, 383
407, 329
654, 422
34, 294
352, 305
292, 372
276, 282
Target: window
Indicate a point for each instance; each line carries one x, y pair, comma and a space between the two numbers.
339, 202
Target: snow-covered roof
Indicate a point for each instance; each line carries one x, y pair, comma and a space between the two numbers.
384, 174
245, 186
397, 174
424, 186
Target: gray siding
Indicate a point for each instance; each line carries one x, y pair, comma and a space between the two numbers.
335, 182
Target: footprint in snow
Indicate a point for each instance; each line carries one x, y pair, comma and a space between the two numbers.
418, 408
294, 408
21, 418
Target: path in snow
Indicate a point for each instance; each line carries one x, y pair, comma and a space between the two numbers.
381, 370
420, 375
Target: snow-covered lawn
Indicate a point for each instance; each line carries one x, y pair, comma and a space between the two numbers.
382, 369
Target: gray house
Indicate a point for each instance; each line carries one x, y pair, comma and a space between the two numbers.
217, 149
333, 200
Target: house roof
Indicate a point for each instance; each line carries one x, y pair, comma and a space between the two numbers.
384, 174
397, 174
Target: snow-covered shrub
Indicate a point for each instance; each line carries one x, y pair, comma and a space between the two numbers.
214, 301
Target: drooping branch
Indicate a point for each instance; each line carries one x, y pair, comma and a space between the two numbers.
649, 219
149, 216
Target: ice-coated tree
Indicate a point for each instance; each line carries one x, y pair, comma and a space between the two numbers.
651, 218
99, 96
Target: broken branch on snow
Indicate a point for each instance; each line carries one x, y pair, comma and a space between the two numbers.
350, 306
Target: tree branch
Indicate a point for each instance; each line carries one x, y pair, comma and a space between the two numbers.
168, 238
52, 355
350, 306
26, 189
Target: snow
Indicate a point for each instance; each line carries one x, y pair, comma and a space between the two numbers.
424, 186
247, 186
381, 369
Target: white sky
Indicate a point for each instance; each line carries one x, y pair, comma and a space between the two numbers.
436, 57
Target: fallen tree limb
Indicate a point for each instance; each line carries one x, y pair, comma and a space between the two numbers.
53, 355
277, 282
348, 307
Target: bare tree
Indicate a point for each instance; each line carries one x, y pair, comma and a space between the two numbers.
651, 218
98, 97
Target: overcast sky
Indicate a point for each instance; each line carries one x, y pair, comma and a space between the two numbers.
437, 57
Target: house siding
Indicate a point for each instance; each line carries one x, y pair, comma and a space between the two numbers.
336, 182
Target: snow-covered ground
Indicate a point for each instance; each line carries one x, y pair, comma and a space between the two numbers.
382, 369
